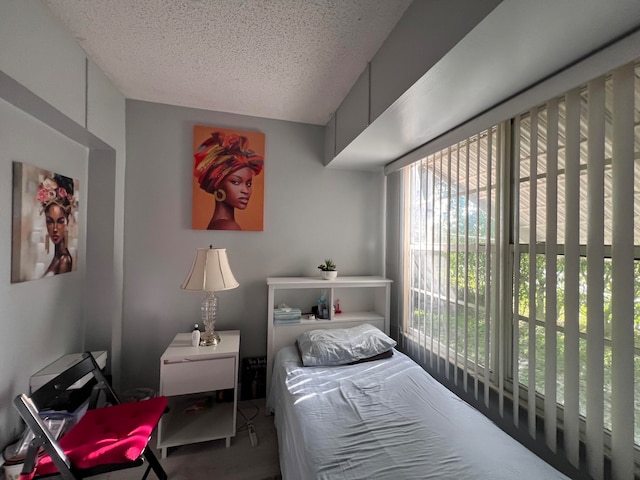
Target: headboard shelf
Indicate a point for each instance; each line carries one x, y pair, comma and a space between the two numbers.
363, 299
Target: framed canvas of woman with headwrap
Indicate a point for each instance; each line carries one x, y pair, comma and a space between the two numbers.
45, 223
228, 179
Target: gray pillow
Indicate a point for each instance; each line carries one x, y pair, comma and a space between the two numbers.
341, 346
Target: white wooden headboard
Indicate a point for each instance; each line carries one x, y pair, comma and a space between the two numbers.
362, 299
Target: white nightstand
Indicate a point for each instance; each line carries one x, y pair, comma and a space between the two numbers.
189, 378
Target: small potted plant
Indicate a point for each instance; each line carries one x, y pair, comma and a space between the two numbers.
328, 269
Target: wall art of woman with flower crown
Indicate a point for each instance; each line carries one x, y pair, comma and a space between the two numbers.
56, 195
225, 167
45, 223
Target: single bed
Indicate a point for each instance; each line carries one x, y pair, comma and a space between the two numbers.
386, 419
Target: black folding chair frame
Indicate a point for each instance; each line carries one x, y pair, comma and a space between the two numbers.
30, 406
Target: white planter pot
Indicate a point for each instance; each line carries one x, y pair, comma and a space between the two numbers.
329, 275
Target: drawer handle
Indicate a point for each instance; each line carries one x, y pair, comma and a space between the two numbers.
191, 360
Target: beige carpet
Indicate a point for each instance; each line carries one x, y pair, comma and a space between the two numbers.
212, 460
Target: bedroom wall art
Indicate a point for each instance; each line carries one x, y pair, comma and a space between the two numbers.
228, 179
45, 223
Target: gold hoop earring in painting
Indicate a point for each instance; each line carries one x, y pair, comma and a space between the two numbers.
220, 195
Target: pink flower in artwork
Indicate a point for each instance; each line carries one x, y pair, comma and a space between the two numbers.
62, 192
43, 194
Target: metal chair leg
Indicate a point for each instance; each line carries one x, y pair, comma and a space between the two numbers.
146, 473
155, 464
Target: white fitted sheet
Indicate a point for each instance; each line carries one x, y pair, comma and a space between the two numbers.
387, 419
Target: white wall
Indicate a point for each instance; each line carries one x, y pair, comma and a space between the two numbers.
103, 303
54, 106
42, 318
310, 213
61, 112
38, 52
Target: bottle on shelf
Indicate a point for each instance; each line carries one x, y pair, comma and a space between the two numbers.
323, 311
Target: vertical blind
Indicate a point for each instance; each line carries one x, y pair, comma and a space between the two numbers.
452, 259
522, 264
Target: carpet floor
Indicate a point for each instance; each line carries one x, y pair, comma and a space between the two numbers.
212, 460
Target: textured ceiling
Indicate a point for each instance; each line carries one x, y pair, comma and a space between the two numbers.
283, 59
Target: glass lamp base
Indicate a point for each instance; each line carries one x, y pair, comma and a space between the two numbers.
209, 338
209, 308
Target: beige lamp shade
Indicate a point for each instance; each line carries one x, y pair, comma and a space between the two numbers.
210, 271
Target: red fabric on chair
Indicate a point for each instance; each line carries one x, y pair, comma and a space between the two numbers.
115, 434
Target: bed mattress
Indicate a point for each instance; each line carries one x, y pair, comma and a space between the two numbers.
387, 419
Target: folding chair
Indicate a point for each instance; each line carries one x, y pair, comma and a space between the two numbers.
105, 439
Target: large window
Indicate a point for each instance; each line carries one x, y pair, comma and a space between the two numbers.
522, 263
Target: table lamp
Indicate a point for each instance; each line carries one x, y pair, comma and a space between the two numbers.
210, 273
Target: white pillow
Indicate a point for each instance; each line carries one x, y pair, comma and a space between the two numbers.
341, 346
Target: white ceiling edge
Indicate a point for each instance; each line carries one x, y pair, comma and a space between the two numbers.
600, 63
516, 46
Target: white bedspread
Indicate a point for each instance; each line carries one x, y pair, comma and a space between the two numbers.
387, 419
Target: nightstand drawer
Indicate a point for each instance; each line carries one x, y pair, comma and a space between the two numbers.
197, 375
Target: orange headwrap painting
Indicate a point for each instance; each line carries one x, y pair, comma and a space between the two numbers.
217, 153
220, 155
